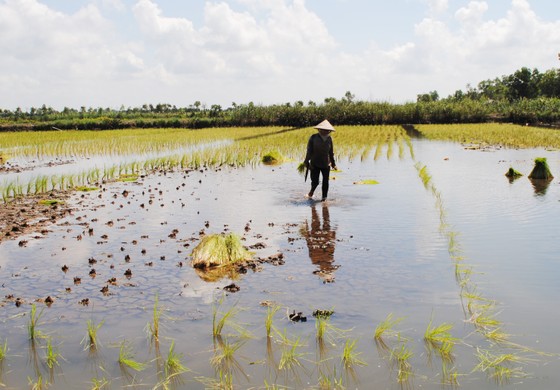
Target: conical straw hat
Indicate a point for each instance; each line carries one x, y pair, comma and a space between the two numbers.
325, 125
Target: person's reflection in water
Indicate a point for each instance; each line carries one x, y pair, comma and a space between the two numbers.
321, 240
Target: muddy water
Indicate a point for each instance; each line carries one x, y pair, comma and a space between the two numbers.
370, 250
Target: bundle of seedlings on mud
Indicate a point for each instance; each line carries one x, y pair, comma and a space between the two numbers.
541, 171
513, 174
219, 250
271, 158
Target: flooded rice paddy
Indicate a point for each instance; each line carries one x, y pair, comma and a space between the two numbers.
454, 244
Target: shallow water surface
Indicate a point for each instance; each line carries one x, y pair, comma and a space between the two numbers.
370, 250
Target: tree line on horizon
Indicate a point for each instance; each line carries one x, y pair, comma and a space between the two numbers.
527, 96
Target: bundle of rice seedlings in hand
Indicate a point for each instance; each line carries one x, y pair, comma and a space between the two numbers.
541, 170
301, 168
219, 250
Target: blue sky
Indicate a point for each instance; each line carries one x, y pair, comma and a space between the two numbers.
109, 53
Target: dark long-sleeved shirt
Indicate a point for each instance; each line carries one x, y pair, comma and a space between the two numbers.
320, 152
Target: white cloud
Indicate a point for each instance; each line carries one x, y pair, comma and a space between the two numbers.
437, 6
269, 51
48, 54
115, 4
471, 14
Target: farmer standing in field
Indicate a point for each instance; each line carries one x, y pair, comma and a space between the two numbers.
320, 157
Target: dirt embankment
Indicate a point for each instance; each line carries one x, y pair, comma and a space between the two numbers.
32, 214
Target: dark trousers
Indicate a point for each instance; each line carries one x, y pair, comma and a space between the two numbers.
314, 174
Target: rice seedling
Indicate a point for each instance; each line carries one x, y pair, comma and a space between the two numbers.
221, 319
156, 315
325, 331
439, 334
52, 355
269, 319
126, 358
386, 326
3, 355
219, 250
99, 384
484, 321
224, 381
37, 384
84, 188
541, 171
91, 340
321, 324
331, 382
33, 322
389, 149
173, 364
497, 336
400, 357
424, 175
3, 351
350, 358
224, 356
272, 386
513, 174
498, 366
462, 272
449, 376
124, 177
290, 358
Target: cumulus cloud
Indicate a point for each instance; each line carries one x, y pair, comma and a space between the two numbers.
44, 51
437, 6
471, 14
109, 53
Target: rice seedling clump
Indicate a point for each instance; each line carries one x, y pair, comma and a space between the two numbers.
219, 250
541, 171
272, 158
512, 173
